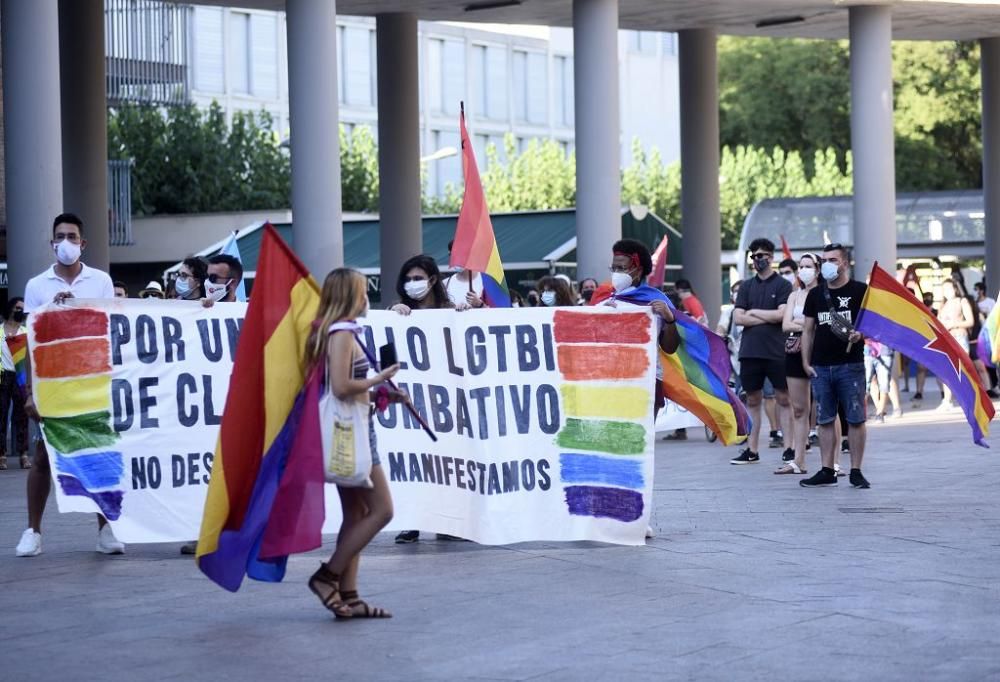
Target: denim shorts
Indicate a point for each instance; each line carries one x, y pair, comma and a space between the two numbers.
840, 385
881, 368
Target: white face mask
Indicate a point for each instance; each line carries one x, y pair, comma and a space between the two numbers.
621, 280
67, 252
790, 278
807, 275
829, 271
549, 298
217, 291
417, 289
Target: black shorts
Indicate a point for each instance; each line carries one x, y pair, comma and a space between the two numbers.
793, 366
753, 371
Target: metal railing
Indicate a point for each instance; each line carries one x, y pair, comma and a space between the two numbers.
120, 202
146, 51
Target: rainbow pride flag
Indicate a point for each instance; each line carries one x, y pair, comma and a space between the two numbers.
475, 246
265, 499
18, 346
696, 375
891, 315
989, 338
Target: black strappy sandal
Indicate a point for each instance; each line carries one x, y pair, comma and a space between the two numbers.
333, 601
360, 608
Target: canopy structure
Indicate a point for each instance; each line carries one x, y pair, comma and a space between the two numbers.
928, 224
532, 244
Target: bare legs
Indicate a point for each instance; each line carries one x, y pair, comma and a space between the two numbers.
799, 394
366, 512
753, 404
39, 487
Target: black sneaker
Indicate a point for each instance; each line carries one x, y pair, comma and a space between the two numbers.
824, 477
858, 480
776, 440
845, 446
918, 396
788, 455
746, 457
407, 536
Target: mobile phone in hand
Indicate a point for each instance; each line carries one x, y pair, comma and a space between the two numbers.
387, 356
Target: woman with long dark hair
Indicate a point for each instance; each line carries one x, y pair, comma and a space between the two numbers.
366, 511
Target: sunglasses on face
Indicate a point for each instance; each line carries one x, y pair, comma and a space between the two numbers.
217, 279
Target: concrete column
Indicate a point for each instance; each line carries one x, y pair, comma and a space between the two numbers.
598, 156
32, 135
318, 231
872, 139
701, 252
990, 51
401, 234
84, 122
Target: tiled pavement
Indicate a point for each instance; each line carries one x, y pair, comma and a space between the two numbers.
750, 577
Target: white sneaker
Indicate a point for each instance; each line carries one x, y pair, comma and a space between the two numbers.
107, 543
649, 532
30, 544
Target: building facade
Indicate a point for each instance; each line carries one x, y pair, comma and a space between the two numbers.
513, 79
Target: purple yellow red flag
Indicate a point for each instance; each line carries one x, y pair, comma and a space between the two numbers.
262, 499
475, 247
891, 315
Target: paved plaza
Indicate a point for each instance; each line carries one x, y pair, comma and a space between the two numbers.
749, 577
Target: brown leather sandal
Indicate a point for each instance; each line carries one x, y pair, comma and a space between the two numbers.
333, 601
360, 608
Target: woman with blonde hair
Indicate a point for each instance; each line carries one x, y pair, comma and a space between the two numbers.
366, 511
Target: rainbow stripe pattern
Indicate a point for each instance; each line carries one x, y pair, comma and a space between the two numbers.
265, 498
989, 338
892, 316
696, 377
475, 246
604, 439
18, 346
71, 363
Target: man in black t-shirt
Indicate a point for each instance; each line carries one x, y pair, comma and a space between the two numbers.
760, 309
836, 364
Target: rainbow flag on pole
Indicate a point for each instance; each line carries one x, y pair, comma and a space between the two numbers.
18, 346
891, 315
475, 246
265, 499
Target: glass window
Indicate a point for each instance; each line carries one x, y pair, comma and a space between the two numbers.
264, 55
435, 48
669, 44
358, 66
447, 171
209, 60
538, 94
519, 85
480, 84
496, 63
479, 143
239, 52
453, 76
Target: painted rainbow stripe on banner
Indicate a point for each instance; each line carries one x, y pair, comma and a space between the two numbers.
603, 440
71, 362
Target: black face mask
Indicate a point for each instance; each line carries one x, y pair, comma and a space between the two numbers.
587, 294
18, 316
761, 263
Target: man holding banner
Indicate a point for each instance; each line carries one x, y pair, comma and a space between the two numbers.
68, 278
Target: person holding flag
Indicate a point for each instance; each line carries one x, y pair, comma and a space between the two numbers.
474, 248
833, 356
13, 342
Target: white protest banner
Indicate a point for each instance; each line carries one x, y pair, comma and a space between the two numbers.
544, 417
131, 393
544, 420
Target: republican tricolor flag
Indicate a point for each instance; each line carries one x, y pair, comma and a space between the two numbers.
891, 315
475, 247
265, 499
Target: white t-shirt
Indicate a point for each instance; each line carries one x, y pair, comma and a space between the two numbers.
986, 305
90, 283
458, 288
6, 359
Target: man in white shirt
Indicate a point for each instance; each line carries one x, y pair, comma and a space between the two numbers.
69, 277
